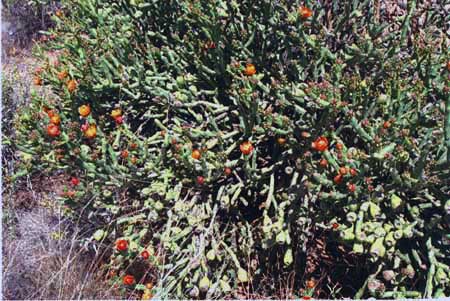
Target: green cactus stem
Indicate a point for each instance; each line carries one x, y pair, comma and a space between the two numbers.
447, 127
431, 271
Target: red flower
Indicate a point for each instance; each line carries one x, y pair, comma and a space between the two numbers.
323, 163
306, 298
118, 119
250, 70
75, 181
121, 245
145, 254
227, 171
335, 226
337, 179
351, 187
124, 154
310, 283
53, 130
339, 146
305, 12
246, 147
84, 127
128, 280
200, 180
353, 172
321, 144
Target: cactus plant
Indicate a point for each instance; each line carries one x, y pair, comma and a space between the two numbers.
248, 126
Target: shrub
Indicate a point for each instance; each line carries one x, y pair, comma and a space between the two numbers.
237, 141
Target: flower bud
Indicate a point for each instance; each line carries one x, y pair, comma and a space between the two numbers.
204, 284
281, 237
377, 249
242, 275
98, 235
358, 248
396, 201
347, 234
374, 210
224, 286
388, 275
211, 255
441, 276
389, 240
194, 292
398, 234
409, 271
288, 257
351, 217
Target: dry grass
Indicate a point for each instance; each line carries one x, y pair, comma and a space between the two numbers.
43, 257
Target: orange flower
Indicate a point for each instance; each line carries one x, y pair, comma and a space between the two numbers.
353, 172
51, 113
246, 147
53, 130
343, 171
305, 12
71, 85
339, 146
196, 154
147, 295
310, 284
386, 124
59, 13
323, 163
133, 145
116, 113
84, 110
128, 280
281, 141
250, 70
91, 132
121, 245
69, 194
55, 119
37, 81
62, 75
149, 286
321, 144
124, 154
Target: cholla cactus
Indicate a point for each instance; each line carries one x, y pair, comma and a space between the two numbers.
234, 130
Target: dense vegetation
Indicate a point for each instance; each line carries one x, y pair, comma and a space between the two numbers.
226, 148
